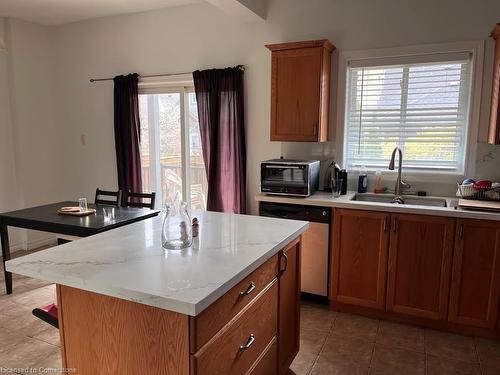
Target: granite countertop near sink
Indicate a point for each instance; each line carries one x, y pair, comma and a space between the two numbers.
324, 199
130, 263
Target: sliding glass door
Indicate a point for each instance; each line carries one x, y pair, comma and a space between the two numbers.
171, 154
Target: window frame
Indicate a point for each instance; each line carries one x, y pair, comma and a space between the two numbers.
182, 84
475, 48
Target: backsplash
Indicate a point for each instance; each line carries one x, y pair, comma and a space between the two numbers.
487, 166
488, 161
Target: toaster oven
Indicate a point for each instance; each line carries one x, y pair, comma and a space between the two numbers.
289, 177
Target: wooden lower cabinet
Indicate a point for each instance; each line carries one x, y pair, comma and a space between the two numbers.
433, 271
211, 320
289, 306
107, 335
359, 262
268, 361
476, 274
420, 255
224, 354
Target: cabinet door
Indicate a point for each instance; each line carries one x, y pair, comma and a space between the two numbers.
289, 306
475, 279
295, 94
420, 256
360, 245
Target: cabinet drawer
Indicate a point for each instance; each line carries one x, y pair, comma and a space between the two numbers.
210, 321
224, 355
268, 361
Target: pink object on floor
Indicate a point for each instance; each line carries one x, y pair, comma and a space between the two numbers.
51, 310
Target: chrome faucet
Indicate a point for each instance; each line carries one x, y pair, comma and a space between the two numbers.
400, 184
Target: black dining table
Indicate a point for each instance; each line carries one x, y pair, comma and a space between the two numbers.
47, 219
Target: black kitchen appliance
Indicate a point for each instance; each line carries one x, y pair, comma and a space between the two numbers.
289, 177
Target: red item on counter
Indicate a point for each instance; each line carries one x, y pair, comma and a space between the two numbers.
482, 185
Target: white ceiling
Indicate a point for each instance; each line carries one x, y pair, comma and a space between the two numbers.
57, 12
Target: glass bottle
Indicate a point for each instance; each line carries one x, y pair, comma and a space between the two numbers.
177, 229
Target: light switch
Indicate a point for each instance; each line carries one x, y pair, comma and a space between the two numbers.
83, 139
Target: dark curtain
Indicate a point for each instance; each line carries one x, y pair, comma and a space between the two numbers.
127, 133
219, 93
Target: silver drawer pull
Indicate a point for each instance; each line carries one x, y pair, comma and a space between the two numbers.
249, 343
249, 290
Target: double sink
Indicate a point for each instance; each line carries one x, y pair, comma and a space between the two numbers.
403, 199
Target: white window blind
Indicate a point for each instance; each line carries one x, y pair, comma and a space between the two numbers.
421, 107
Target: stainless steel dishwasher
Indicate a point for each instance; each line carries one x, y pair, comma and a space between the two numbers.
315, 245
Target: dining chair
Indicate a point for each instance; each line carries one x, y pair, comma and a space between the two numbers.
115, 195
48, 314
133, 199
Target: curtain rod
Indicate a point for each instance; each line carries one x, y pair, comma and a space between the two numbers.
242, 67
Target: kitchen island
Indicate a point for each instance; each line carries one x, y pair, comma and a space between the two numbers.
229, 304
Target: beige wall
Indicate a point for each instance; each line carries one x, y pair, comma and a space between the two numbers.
195, 37
10, 198
200, 36
31, 169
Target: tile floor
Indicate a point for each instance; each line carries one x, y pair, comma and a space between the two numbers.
331, 342
337, 343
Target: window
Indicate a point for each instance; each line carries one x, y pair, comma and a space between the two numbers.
171, 154
419, 103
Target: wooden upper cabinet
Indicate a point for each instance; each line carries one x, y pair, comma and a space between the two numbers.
359, 264
420, 256
300, 90
475, 283
494, 133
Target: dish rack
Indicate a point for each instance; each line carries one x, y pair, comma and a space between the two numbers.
468, 191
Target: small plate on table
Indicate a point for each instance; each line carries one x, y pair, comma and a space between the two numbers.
75, 211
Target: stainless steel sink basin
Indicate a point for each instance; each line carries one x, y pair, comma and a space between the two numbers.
407, 199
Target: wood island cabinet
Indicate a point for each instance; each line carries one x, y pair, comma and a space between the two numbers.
420, 255
476, 274
289, 306
359, 262
300, 90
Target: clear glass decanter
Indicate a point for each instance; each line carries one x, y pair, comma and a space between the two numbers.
177, 230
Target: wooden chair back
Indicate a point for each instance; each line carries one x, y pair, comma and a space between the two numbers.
116, 197
134, 199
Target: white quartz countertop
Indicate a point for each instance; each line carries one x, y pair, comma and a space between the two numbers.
130, 263
324, 199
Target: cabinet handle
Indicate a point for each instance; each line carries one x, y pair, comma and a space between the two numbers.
249, 290
284, 256
394, 225
385, 224
249, 342
461, 232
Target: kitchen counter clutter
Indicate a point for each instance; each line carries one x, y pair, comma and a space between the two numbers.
130, 263
324, 199
229, 304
